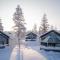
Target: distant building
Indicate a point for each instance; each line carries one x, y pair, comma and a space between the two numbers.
50, 40
4, 39
31, 37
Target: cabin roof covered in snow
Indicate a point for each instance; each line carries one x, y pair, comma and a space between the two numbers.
4, 35
50, 32
51, 37
31, 33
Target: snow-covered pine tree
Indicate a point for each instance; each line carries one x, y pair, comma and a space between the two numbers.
44, 24
1, 27
34, 29
19, 22
40, 31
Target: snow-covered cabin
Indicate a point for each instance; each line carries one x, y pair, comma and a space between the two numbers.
31, 37
50, 40
4, 39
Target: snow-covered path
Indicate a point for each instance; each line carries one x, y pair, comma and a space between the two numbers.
14, 53
30, 54
26, 54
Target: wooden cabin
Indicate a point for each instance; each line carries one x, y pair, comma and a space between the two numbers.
4, 39
31, 37
50, 40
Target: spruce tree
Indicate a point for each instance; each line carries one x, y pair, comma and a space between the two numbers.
1, 27
19, 22
34, 29
44, 24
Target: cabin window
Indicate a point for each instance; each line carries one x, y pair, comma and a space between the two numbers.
51, 44
44, 44
57, 45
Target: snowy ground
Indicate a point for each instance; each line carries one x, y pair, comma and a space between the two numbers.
28, 53
5, 53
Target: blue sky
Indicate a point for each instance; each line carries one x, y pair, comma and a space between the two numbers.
33, 12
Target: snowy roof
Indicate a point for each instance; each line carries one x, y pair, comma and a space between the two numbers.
51, 37
46, 39
4, 35
31, 33
50, 32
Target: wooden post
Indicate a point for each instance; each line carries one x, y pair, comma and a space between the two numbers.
47, 44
